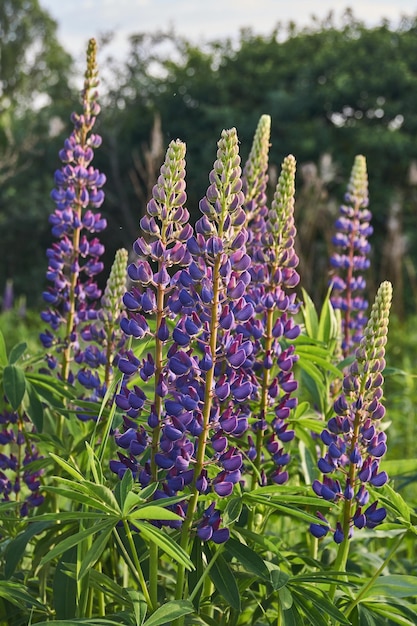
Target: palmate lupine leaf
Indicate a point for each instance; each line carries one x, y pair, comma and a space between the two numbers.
74, 540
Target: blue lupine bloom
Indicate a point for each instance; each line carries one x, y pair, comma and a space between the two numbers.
355, 444
197, 348
273, 275
74, 259
18, 480
351, 257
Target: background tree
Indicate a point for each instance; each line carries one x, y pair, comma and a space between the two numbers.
333, 90
34, 72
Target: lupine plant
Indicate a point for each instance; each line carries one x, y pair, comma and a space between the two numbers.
351, 257
183, 458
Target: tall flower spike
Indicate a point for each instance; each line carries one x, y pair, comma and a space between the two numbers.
273, 273
166, 227
355, 442
74, 259
255, 177
350, 258
199, 380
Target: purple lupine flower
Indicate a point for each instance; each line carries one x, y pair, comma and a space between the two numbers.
103, 341
19, 482
273, 273
350, 258
195, 347
74, 259
355, 444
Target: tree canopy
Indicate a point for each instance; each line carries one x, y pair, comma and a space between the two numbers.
333, 90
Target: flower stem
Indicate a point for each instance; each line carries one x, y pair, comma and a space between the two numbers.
378, 572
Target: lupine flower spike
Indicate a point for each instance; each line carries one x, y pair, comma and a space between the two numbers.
255, 177
273, 273
354, 439
350, 258
200, 382
103, 340
74, 260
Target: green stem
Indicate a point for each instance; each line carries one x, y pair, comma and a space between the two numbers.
378, 572
206, 572
134, 565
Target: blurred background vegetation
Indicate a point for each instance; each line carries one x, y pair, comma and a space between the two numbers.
332, 90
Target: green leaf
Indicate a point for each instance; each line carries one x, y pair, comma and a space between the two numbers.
232, 511
72, 471
14, 385
329, 328
392, 500
100, 582
3, 351
64, 587
311, 319
17, 351
35, 408
16, 594
224, 580
153, 512
151, 533
95, 465
94, 553
16, 548
292, 616
129, 500
287, 509
279, 579
169, 611
139, 605
285, 598
324, 606
248, 558
125, 487
100, 496
83, 498
310, 353
405, 614
73, 540
394, 586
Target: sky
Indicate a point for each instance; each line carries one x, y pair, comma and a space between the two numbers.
200, 20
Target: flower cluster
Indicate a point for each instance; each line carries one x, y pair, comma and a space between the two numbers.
350, 258
18, 480
354, 439
216, 320
273, 273
74, 259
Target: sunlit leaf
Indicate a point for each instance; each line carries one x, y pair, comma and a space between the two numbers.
169, 612
151, 533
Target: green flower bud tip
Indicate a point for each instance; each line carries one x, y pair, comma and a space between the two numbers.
358, 183
255, 171
116, 284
